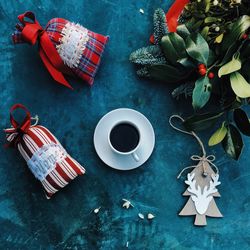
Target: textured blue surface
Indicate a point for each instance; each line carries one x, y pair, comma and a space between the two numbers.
29, 221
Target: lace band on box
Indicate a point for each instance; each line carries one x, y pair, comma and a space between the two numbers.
45, 158
72, 44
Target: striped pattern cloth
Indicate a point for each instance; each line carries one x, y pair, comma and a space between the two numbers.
63, 171
90, 58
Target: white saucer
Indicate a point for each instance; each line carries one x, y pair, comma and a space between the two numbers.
107, 155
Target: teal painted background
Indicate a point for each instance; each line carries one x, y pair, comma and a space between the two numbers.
29, 221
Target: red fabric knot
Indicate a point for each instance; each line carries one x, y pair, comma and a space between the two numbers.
31, 31
18, 129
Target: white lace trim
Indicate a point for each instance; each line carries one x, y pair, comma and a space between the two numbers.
45, 158
72, 43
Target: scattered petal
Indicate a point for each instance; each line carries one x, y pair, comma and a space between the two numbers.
96, 211
141, 216
127, 204
141, 11
150, 216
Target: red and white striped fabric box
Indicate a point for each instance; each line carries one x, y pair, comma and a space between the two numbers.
44, 154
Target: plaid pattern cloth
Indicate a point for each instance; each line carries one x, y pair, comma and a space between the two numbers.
91, 55
62, 170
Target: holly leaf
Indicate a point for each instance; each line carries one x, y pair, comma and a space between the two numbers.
201, 121
201, 93
197, 48
232, 66
218, 135
232, 142
242, 121
173, 47
236, 31
183, 31
166, 73
239, 85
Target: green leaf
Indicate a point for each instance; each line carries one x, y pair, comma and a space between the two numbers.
236, 31
219, 38
229, 53
201, 121
207, 4
245, 50
197, 48
173, 47
201, 93
205, 31
230, 67
183, 31
218, 135
232, 142
242, 121
245, 70
187, 62
166, 73
239, 85
210, 19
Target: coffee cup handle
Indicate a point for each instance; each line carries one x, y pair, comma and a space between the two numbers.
135, 156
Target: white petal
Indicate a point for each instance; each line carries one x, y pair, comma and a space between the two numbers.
126, 204
141, 216
96, 211
150, 216
141, 11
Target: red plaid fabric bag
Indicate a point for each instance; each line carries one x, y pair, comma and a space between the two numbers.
46, 158
79, 49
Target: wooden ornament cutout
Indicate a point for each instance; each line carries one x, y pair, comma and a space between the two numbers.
202, 190
202, 183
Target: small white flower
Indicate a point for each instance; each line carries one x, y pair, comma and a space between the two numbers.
141, 216
215, 2
141, 11
96, 211
217, 29
127, 204
150, 216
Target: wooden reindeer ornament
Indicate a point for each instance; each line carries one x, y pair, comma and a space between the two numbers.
202, 184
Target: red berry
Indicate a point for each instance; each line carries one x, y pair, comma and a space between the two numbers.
201, 66
202, 71
211, 75
244, 36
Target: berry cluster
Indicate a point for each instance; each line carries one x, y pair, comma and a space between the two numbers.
203, 71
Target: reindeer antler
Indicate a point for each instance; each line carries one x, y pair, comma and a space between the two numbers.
191, 182
212, 186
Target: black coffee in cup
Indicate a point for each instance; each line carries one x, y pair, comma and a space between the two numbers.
124, 137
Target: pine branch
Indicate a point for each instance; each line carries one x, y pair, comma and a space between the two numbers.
148, 56
143, 72
185, 89
160, 26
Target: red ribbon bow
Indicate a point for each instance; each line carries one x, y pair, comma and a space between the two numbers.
18, 128
31, 32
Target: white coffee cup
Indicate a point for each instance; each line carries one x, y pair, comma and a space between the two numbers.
132, 152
